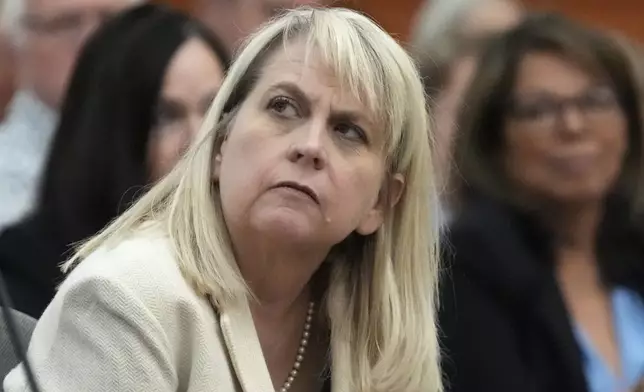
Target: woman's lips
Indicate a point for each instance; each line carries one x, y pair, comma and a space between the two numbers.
574, 164
299, 188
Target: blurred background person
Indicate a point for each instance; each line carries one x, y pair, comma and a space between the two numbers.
547, 282
234, 20
47, 35
444, 40
7, 67
137, 96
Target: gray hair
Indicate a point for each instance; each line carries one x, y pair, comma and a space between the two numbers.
11, 12
438, 26
440, 35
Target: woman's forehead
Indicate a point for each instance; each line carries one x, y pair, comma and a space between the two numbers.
296, 58
300, 69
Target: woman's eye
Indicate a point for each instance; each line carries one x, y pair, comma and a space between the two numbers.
350, 131
284, 106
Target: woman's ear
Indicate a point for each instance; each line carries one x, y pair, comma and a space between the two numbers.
216, 169
389, 196
396, 189
223, 131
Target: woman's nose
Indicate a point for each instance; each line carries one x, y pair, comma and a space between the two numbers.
309, 145
572, 120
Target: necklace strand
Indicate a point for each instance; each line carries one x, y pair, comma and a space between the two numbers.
304, 342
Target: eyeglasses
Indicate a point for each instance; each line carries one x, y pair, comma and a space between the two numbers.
67, 24
545, 110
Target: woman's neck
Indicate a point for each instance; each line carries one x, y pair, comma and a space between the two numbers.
574, 227
280, 328
282, 278
276, 269
575, 233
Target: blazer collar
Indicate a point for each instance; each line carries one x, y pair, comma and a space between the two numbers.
244, 348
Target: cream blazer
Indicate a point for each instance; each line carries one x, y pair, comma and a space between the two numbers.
125, 320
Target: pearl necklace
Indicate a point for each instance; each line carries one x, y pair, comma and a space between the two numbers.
301, 350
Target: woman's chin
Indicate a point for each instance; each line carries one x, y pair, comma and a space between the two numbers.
287, 225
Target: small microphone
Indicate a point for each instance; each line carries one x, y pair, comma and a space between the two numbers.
16, 343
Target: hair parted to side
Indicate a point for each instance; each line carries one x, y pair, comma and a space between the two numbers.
381, 294
480, 143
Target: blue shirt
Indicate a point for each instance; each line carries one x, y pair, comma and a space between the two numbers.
628, 323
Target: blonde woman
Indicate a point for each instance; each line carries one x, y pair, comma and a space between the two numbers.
293, 248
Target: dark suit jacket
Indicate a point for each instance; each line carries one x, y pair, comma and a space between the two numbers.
30, 258
504, 325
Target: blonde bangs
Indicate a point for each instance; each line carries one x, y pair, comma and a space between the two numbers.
350, 45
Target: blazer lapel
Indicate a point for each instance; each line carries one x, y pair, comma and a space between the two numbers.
244, 348
551, 312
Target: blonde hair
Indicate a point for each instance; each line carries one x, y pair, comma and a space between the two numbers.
381, 305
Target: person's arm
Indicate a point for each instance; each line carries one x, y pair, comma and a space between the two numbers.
97, 336
480, 345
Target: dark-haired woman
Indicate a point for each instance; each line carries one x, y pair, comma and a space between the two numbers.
137, 96
547, 283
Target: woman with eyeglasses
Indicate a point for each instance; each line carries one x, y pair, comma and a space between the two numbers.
547, 283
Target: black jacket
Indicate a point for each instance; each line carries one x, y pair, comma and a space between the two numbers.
30, 258
503, 322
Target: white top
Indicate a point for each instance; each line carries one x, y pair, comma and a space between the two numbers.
125, 320
24, 145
